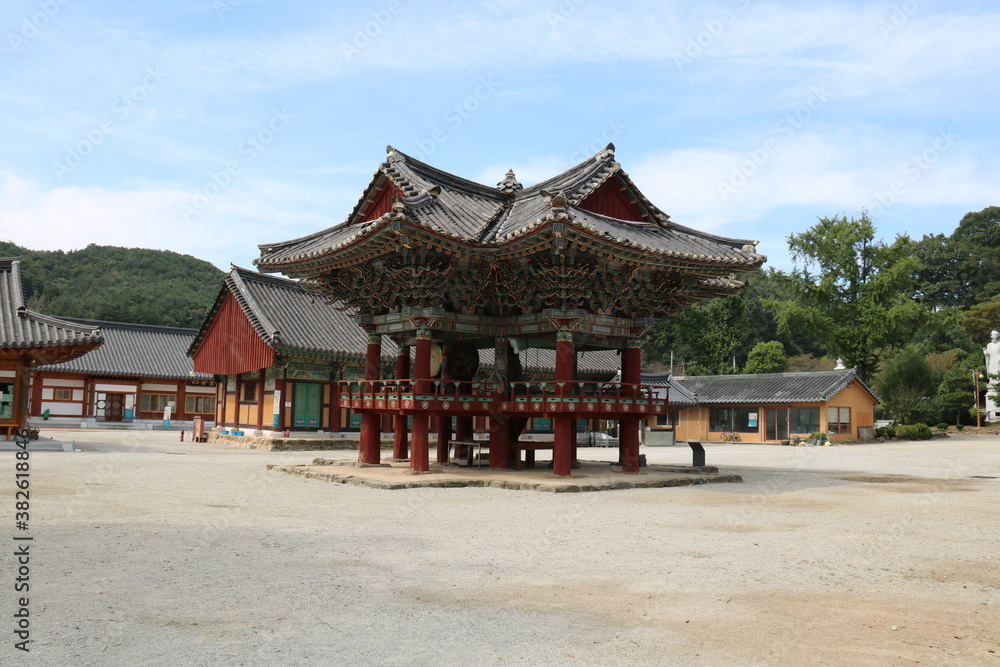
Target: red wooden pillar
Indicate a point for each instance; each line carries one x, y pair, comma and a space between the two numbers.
419, 458
36, 396
221, 409
628, 427
500, 423
444, 437
464, 432
563, 422
400, 434
371, 436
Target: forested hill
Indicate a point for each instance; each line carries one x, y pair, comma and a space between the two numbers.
118, 284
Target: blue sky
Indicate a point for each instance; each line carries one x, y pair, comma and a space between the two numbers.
209, 126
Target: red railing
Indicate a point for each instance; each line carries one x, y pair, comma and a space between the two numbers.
547, 389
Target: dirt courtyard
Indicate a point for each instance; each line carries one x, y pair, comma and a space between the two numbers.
151, 551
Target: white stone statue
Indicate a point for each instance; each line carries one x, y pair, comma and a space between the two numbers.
992, 354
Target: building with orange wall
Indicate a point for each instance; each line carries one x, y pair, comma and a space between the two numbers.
767, 407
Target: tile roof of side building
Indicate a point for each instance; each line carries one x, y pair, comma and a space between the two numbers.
769, 388
483, 216
289, 318
24, 328
136, 350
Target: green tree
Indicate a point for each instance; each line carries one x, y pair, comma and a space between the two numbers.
705, 337
767, 358
956, 396
907, 388
962, 269
853, 291
118, 284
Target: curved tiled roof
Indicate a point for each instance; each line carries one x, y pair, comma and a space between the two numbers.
136, 350
768, 388
23, 328
290, 319
485, 217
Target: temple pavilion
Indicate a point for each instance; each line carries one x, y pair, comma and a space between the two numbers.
447, 267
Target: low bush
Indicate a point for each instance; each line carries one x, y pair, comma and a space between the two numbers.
959, 427
914, 431
942, 427
818, 435
885, 432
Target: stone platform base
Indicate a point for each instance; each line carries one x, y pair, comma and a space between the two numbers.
590, 476
270, 444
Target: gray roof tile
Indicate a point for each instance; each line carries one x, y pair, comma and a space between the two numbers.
484, 216
767, 388
23, 328
291, 319
136, 350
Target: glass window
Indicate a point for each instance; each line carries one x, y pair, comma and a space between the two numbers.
200, 404
805, 420
6, 400
63, 394
156, 402
741, 420
720, 419
838, 420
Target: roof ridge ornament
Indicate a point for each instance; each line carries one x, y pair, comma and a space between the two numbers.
393, 155
608, 152
509, 185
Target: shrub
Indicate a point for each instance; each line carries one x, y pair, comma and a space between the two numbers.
959, 427
818, 435
914, 431
942, 427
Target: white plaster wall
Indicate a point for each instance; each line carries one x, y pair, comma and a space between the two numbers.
116, 388
61, 409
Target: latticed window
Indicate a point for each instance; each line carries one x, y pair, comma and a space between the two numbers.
63, 394
156, 402
838, 420
249, 389
200, 404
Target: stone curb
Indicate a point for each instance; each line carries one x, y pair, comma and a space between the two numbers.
304, 471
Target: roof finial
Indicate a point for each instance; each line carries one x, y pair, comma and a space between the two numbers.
392, 154
840, 365
509, 185
608, 152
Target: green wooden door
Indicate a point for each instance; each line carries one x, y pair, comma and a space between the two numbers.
307, 405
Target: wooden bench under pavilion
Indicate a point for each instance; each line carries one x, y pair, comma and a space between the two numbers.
582, 261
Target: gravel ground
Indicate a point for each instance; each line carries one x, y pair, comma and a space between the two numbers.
151, 551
